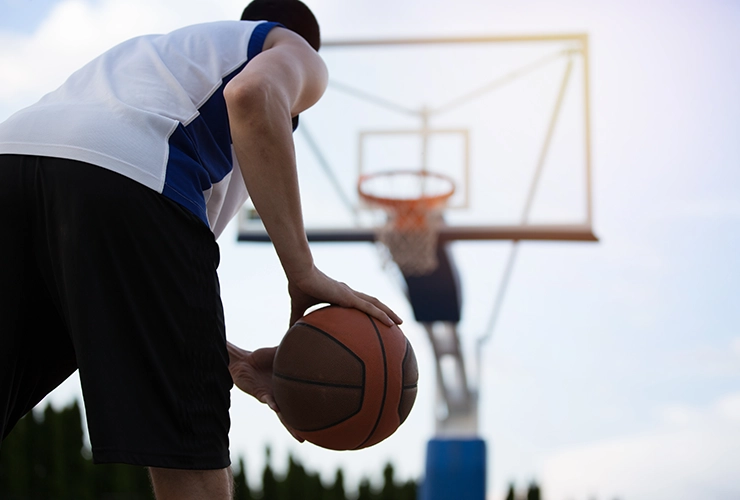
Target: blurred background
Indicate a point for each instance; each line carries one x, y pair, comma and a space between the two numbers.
614, 370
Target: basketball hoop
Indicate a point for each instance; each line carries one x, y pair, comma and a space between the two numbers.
413, 201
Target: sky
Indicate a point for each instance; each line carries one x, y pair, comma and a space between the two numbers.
614, 368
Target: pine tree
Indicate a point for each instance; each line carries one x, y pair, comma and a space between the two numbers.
511, 494
364, 492
314, 487
44, 457
336, 490
16, 466
269, 483
533, 491
121, 480
42, 446
294, 484
54, 460
74, 469
241, 484
408, 491
389, 486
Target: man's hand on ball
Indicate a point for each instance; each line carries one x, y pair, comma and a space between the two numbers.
252, 373
314, 287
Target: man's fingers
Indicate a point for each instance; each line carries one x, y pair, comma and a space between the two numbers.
269, 401
377, 309
393, 316
334, 292
296, 312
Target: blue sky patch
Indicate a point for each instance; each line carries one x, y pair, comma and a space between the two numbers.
24, 16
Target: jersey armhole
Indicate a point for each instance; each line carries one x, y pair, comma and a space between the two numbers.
256, 44
257, 39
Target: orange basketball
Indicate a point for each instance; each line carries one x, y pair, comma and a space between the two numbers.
343, 380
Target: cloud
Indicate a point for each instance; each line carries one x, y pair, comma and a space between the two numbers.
735, 347
729, 408
707, 360
76, 31
693, 454
707, 208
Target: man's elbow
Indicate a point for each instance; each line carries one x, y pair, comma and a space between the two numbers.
253, 99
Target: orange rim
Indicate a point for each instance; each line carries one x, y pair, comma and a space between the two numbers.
408, 213
422, 201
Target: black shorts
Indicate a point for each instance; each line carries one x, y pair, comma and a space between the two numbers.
101, 274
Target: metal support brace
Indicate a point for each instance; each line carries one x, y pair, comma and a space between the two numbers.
457, 413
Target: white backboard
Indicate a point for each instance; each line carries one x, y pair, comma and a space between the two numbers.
507, 118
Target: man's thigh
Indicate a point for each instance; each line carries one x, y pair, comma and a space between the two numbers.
36, 351
135, 278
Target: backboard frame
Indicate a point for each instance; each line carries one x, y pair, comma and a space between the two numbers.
458, 392
250, 230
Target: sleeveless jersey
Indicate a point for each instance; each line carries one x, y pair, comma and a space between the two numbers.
152, 109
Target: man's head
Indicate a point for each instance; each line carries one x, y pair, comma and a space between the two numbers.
293, 14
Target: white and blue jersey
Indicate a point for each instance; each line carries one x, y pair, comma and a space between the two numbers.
152, 109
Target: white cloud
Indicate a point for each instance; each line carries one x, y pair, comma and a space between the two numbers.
679, 415
735, 346
75, 31
707, 360
707, 208
728, 408
694, 454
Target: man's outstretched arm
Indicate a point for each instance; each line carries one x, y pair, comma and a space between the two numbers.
282, 81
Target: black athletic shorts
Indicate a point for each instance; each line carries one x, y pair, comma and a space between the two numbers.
101, 274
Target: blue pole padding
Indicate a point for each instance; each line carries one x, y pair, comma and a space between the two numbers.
455, 470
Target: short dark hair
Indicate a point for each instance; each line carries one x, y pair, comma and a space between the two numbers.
293, 14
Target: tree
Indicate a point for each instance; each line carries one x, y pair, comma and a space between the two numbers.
511, 494
16, 466
364, 492
314, 488
408, 491
295, 482
269, 483
241, 484
533, 491
389, 486
44, 457
75, 467
336, 490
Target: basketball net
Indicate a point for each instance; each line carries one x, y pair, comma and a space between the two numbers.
413, 201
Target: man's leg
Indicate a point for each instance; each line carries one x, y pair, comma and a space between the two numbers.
179, 484
36, 352
138, 277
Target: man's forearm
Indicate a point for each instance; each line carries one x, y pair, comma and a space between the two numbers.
283, 80
263, 144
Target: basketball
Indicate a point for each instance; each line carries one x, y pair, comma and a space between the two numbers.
343, 380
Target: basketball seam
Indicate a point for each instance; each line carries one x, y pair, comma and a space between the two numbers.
385, 382
336, 341
311, 382
403, 376
362, 387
